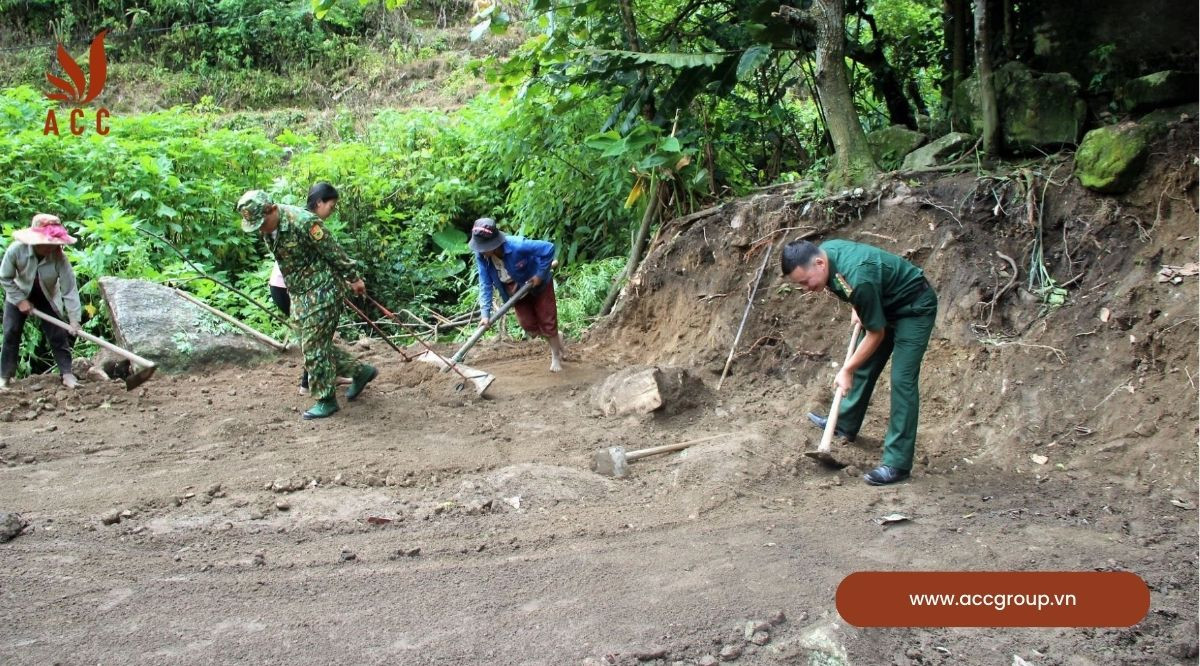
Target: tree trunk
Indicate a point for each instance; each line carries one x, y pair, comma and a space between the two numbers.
955, 21
987, 88
854, 163
1010, 48
653, 205
887, 84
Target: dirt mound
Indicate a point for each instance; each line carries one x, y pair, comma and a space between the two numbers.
1097, 378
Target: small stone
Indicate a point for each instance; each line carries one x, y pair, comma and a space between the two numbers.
212, 490
283, 505
708, 660
481, 547
126, 514
51, 428
731, 652
413, 552
760, 638
753, 627
347, 555
257, 515
29, 460
11, 525
260, 559
110, 517
1146, 428
779, 618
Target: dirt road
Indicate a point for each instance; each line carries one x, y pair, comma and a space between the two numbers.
525, 556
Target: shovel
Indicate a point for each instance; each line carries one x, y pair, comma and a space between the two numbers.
823, 452
482, 380
462, 351
132, 381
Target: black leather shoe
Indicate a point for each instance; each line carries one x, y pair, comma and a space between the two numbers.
820, 422
883, 475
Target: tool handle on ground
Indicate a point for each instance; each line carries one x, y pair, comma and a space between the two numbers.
462, 351
667, 448
378, 330
831, 422
391, 315
257, 335
123, 353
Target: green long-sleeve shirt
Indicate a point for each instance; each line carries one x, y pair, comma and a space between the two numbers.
875, 282
307, 254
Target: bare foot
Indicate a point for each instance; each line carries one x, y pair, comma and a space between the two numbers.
344, 381
4, 384
302, 390
70, 381
556, 354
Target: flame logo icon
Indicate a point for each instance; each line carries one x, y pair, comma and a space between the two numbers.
79, 90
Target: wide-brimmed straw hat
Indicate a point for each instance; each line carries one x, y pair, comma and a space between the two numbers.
45, 229
485, 237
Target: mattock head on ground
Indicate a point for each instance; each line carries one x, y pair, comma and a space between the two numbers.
611, 462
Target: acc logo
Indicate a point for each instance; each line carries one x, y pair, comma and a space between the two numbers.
79, 90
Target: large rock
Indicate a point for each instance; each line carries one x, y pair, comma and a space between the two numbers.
641, 390
1038, 111
890, 144
938, 152
1157, 90
153, 321
1111, 158
1159, 121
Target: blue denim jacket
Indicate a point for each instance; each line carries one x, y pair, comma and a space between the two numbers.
523, 259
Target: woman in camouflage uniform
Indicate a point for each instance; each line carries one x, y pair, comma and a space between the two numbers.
317, 272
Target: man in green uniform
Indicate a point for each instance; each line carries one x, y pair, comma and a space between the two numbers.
317, 272
896, 306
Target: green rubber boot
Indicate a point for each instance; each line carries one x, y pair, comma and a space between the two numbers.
323, 408
361, 378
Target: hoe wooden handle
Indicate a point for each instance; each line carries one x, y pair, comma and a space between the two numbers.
123, 353
831, 422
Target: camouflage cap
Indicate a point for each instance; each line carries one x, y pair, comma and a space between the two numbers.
251, 207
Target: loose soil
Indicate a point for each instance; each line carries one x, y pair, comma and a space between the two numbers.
422, 525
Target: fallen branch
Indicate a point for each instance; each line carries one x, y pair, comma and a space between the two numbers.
257, 335
745, 315
274, 315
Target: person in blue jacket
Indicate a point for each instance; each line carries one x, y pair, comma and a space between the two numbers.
507, 262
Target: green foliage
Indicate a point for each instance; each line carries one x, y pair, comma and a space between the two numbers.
1105, 68
410, 184
582, 293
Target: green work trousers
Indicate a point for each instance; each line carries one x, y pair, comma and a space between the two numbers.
318, 311
904, 341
